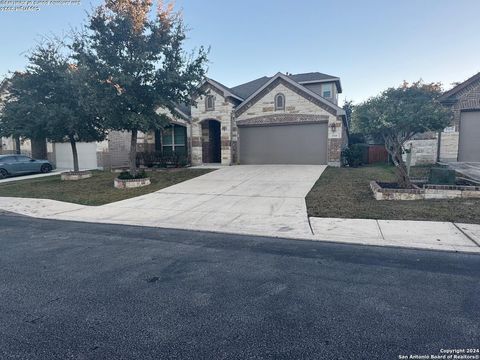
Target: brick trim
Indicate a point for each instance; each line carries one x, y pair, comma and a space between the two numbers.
282, 119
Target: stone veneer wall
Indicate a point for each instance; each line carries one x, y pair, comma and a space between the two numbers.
223, 113
295, 103
449, 147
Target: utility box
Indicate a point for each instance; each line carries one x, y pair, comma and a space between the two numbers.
441, 176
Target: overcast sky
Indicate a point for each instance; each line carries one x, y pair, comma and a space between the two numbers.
370, 45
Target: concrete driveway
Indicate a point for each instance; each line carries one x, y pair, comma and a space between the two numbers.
468, 169
250, 199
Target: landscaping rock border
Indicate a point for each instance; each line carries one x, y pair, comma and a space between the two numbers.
428, 191
75, 175
131, 183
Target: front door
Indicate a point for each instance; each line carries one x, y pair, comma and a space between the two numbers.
215, 142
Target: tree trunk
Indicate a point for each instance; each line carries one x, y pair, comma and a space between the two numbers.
39, 148
73, 144
133, 153
17, 145
395, 151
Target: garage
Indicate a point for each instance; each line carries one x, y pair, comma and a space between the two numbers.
284, 144
87, 155
469, 142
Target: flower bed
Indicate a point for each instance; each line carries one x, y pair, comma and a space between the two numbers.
428, 191
75, 175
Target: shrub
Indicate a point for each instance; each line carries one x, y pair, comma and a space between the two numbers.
356, 138
125, 175
353, 155
159, 159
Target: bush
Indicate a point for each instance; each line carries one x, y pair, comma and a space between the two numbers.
159, 159
353, 155
356, 138
125, 175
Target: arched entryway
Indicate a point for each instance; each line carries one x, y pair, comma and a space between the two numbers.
211, 141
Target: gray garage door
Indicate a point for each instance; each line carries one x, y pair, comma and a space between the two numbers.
284, 144
469, 143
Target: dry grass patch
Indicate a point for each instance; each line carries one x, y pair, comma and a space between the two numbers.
345, 193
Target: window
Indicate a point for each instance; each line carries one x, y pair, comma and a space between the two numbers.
8, 159
279, 102
174, 140
209, 102
23, 158
327, 90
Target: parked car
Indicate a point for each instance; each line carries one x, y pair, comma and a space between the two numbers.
21, 164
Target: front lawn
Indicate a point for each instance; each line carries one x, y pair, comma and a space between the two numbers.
345, 193
97, 190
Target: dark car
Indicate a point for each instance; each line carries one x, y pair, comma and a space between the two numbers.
21, 164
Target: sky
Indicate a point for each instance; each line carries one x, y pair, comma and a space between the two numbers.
370, 44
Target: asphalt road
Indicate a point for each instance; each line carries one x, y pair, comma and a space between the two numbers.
87, 291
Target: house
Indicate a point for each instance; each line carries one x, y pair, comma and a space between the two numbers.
283, 119
461, 142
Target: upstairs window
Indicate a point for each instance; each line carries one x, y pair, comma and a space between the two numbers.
327, 90
209, 102
279, 102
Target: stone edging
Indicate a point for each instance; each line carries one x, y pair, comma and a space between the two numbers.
130, 183
75, 175
427, 192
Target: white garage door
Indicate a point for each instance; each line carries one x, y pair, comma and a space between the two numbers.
87, 156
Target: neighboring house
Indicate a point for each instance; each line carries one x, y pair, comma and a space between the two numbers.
283, 119
460, 140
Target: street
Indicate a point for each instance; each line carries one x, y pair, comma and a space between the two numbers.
72, 290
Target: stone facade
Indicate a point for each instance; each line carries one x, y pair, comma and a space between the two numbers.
307, 108
200, 137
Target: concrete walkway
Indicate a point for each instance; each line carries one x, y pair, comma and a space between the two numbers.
29, 177
468, 169
254, 200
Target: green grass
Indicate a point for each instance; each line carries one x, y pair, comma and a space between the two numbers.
97, 190
345, 193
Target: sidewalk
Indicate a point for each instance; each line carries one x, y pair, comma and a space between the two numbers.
28, 177
410, 234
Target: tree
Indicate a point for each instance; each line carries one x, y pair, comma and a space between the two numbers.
348, 107
21, 116
398, 114
140, 65
55, 98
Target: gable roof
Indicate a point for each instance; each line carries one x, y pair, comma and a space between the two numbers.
279, 75
450, 96
247, 89
227, 92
